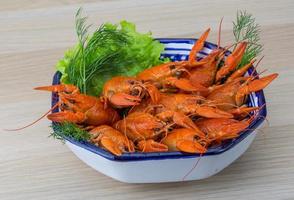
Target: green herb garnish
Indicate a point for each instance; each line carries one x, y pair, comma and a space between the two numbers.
70, 130
111, 50
246, 29
82, 34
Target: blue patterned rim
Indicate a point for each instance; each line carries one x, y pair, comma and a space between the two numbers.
176, 49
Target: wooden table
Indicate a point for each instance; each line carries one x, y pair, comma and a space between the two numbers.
34, 35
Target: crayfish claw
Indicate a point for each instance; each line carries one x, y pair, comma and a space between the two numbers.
122, 99
68, 116
212, 112
111, 146
190, 146
184, 121
199, 44
151, 146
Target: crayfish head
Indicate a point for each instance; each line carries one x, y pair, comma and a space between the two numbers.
122, 91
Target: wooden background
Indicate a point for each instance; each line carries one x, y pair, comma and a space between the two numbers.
33, 36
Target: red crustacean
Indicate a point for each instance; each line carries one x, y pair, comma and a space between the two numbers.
166, 77
176, 109
222, 129
80, 108
192, 105
123, 91
231, 62
166, 109
140, 126
183, 106
188, 104
231, 95
171, 75
111, 139
185, 140
205, 74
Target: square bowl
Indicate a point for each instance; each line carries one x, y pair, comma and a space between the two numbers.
169, 166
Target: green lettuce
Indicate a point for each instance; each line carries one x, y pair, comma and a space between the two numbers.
110, 51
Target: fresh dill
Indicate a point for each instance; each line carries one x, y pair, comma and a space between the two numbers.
69, 130
245, 28
88, 60
111, 50
82, 34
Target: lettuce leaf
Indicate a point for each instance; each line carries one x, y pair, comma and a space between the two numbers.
110, 51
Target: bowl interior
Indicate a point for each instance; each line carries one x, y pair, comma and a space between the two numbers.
177, 49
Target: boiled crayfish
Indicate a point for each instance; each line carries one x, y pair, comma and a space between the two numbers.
171, 75
144, 129
127, 91
111, 139
80, 108
176, 106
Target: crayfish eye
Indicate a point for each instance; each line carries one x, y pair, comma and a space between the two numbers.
132, 82
63, 106
135, 92
157, 129
242, 81
194, 118
110, 93
178, 74
172, 67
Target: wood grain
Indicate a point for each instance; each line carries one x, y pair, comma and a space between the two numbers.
34, 35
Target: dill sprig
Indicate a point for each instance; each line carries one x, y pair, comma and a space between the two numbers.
70, 130
88, 60
82, 34
246, 29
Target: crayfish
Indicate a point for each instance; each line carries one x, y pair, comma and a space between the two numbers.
183, 106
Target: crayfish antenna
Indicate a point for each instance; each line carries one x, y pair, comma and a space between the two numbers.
219, 32
44, 115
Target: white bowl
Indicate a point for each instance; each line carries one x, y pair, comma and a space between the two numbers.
169, 166
165, 169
